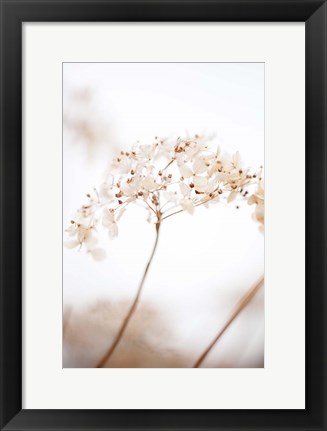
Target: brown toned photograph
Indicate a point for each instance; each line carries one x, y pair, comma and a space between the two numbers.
163, 215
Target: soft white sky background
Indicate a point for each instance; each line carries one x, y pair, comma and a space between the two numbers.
205, 262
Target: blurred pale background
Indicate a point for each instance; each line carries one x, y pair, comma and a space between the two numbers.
205, 262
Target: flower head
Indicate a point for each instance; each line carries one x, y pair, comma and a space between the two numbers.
165, 177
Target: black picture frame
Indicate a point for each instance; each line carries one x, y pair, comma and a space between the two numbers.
13, 14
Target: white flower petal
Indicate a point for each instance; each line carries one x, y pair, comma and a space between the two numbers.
105, 192
187, 205
71, 230
149, 184
170, 197
231, 197
237, 159
108, 218
98, 254
211, 186
200, 181
125, 188
199, 166
89, 239
150, 215
147, 151
113, 231
260, 213
185, 190
72, 243
82, 233
261, 190
252, 200
185, 171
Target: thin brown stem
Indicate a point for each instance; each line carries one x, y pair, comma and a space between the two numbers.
169, 215
167, 166
132, 308
197, 204
150, 207
246, 299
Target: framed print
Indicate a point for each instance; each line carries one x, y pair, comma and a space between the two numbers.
163, 215
163, 179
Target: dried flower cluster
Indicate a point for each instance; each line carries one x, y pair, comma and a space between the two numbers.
166, 178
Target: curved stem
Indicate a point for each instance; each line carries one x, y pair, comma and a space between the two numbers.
132, 309
197, 204
246, 299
